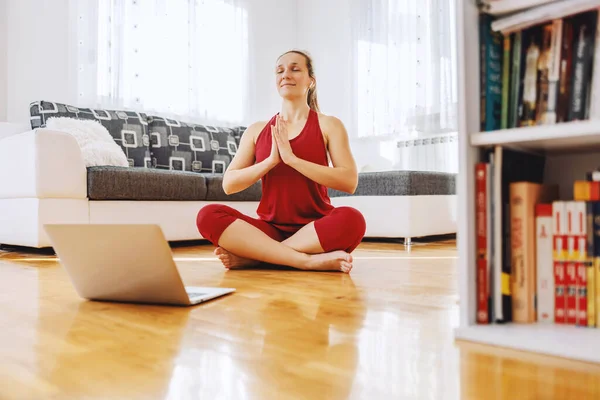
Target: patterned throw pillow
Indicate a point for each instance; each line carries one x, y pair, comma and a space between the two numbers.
177, 145
129, 129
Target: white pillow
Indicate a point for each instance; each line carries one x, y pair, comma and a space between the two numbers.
97, 145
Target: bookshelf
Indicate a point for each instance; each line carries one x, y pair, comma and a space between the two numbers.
580, 136
574, 148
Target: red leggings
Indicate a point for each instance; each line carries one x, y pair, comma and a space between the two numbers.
342, 229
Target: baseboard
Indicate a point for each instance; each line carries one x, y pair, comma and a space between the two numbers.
415, 240
47, 251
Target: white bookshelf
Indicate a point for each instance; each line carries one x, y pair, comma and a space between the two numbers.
561, 341
567, 143
571, 136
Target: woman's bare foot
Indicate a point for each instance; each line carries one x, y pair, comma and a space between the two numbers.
334, 261
231, 261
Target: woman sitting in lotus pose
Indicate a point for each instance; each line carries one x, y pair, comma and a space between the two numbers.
297, 225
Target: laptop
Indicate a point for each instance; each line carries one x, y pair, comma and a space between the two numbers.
124, 263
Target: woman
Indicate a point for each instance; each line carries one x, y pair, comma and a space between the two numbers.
297, 225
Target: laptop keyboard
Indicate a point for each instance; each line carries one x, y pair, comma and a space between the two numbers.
193, 295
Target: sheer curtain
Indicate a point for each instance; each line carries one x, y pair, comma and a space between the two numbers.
405, 59
184, 59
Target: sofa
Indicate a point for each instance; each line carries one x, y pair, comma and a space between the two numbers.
175, 168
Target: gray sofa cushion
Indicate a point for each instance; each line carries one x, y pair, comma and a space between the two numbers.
402, 183
215, 192
119, 183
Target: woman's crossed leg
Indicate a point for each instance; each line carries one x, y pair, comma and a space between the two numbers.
243, 241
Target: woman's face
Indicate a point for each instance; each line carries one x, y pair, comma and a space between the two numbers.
291, 76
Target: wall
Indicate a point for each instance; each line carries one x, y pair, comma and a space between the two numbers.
324, 30
3, 60
39, 58
272, 32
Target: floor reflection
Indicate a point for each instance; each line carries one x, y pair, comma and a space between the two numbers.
284, 344
111, 350
385, 331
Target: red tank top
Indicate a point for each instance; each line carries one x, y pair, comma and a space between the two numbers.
290, 200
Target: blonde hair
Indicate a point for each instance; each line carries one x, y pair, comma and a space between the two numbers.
312, 91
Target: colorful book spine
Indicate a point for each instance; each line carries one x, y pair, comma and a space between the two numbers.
543, 75
523, 199
544, 265
491, 51
594, 277
515, 81
566, 67
550, 116
482, 182
588, 191
506, 61
583, 55
589, 263
580, 258
559, 257
594, 110
571, 265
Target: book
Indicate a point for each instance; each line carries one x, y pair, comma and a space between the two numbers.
589, 263
490, 62
543, 263
547, 113
515, 82
583, 55
544, 73
559, 251
509, 166
531, 40
594, 108
506, 64
579, 232
571, 265
593, 249
524, 196
566, 63
483, 227
594, 276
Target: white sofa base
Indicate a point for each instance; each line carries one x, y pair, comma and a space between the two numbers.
22, 220
404, 216
177, 219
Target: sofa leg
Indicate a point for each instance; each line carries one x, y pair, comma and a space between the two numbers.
407, 242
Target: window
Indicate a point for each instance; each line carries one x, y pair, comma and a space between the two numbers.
172, 57
406, 68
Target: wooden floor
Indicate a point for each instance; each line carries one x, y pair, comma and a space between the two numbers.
383, 332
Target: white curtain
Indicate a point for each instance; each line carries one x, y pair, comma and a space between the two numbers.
405, 61
386, 67
184, 59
